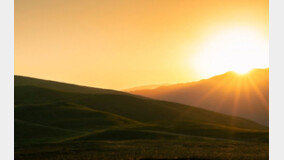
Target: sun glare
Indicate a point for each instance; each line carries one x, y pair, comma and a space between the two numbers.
242, 71
238, 50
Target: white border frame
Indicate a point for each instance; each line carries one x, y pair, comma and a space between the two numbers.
7, 79
276, 79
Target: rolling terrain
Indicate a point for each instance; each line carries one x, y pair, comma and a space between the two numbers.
245, 96
62, 121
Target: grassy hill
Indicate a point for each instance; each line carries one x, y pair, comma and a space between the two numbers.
52, 123
70, 116
245, 96
27, 133
139, 109
60, 86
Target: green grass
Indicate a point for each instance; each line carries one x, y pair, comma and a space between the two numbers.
125, 134
194, 128
27, 133
192, 148
139, 109
70, 116
57, 124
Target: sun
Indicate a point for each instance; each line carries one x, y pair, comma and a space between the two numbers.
242, 71
237, 49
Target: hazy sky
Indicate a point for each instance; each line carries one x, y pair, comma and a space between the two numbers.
125, 43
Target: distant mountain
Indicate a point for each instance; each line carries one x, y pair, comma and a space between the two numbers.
230, 93
45, 113
141, 88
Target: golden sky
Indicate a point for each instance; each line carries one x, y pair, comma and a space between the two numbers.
120, 44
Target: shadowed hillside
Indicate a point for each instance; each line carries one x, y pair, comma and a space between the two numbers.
240, 95
53, 123
60, 86
138, 109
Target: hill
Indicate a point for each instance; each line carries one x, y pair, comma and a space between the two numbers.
60, 86
245, 96
141, 88
135, 108
53, 123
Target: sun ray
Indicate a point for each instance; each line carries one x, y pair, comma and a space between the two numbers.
258, 92
210, 92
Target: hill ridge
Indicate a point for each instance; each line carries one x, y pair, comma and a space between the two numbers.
245, 95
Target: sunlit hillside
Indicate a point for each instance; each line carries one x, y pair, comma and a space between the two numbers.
245, 95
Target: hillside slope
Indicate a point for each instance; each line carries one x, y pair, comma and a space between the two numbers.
239, 95
53, 124
138, 109
60, 86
